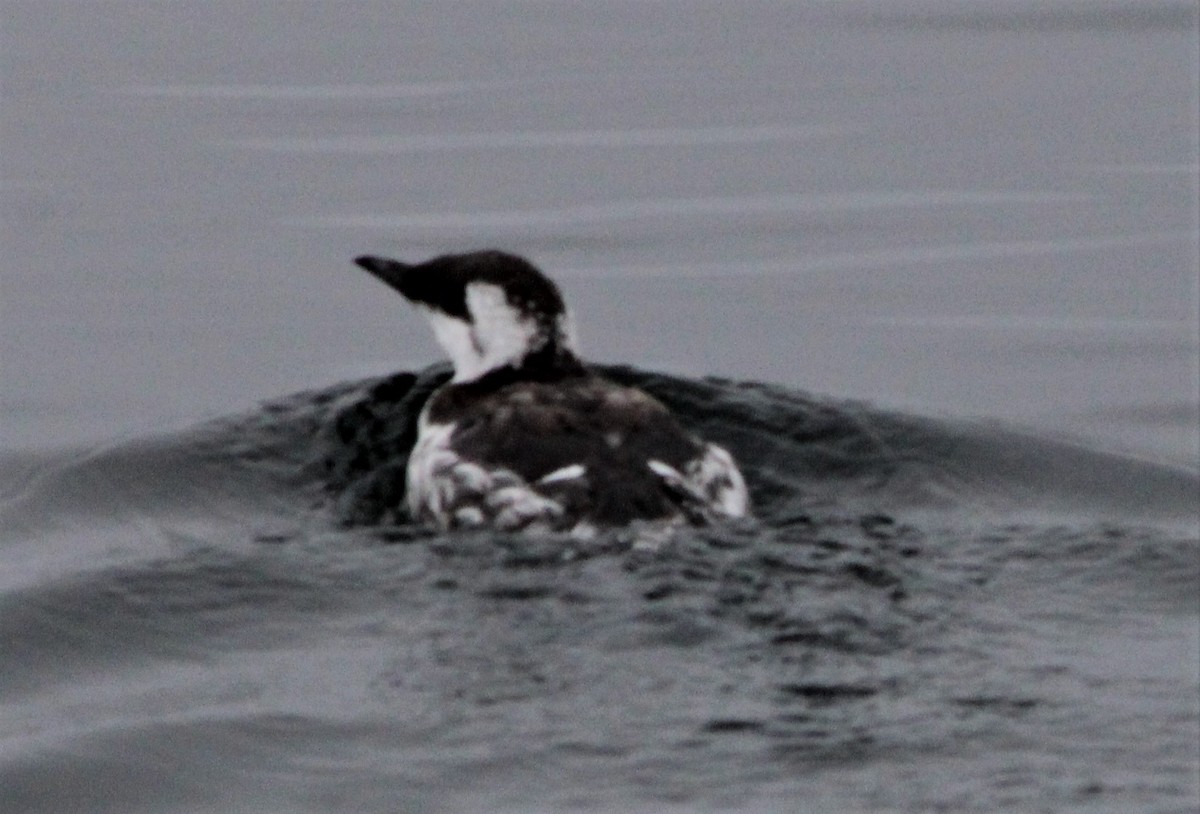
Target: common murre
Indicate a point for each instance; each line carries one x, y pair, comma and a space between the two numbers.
525, 436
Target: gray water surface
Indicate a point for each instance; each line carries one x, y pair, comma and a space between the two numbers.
957, 241
976, 211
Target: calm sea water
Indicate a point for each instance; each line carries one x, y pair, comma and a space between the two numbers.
959, 241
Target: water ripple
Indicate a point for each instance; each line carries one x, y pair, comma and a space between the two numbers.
675, 208
341, 92
449, 142
891, 257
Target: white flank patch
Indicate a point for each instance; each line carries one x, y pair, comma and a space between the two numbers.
454, 492
712, 479
433, 443
717, 476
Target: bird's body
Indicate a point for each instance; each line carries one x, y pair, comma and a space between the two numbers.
526, 437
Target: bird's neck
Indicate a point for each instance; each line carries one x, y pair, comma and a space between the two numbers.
550, 362
516, 348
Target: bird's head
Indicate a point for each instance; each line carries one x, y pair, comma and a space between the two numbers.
489, 310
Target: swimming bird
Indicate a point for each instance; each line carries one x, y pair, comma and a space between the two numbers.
525, 436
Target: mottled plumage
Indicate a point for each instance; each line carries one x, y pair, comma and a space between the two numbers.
525, 437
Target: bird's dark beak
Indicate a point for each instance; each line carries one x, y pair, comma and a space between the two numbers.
392, 272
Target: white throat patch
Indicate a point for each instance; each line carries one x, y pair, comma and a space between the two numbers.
498, 334
456, 336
